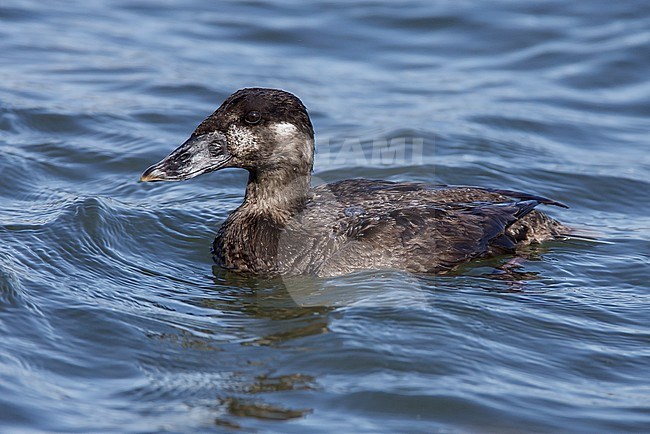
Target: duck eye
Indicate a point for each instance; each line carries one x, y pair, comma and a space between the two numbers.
253, 117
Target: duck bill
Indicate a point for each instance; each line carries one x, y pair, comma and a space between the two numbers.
199, 154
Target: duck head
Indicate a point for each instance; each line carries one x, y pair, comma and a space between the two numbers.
265, 131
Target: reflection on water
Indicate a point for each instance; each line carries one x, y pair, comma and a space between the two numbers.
248, 403
244, 391
261, 410
113, 319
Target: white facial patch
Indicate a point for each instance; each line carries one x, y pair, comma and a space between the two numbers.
287, 138
284, 131
243, 137
291, 143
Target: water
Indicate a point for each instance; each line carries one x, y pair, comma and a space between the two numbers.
113, 318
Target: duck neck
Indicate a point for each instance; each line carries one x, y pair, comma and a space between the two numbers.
279, 192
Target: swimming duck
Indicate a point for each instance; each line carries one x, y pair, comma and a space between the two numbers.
286, 227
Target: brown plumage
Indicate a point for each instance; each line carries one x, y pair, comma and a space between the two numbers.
286, 227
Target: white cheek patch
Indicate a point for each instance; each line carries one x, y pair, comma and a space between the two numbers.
243, 137
289, 141
284, 131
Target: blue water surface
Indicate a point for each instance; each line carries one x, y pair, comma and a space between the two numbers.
114, 319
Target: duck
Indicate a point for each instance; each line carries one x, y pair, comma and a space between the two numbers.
285, 226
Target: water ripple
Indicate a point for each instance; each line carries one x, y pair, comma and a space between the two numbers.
110, 304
